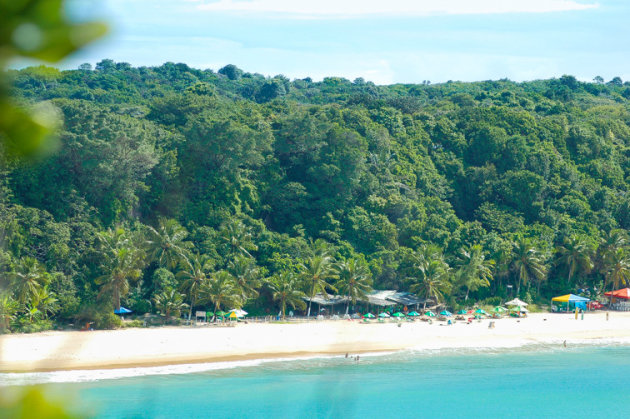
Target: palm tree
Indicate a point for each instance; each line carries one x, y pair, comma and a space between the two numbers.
194, 276
29, 277
47, 303
237, 239
167, 243
619, 269
8, 309
221, 290
429, 275
575, 256
123, 262
246, 275
475, 271
354, 280
170, 303
315, 273
608, 246
527, 263
284, 288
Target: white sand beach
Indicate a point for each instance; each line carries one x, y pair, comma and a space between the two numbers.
51, 351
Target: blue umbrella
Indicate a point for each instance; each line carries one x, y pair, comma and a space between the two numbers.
446, 313
122, 310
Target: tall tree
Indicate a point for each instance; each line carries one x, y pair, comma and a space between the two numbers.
246, 275
236, 238
429, 274
353, 279
527, 263
315, 273
123, 262
475, 271
29, 278
285, 290
167, 245
619, 269
575, 256
194, 276
222, 291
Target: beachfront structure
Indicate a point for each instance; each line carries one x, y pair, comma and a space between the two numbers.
623, 299
568, 302
386, 298
327, 300
378, 298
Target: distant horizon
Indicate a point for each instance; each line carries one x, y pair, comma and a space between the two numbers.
399, 41
62, 67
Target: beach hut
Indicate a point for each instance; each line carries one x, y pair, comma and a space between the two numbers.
569, 302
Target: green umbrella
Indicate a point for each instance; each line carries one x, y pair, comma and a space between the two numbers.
462, 312
220, 313
399, 314
369, 316
446, 313
383, 315
413, 314
209, 314
429, 313
480, 311
499, 309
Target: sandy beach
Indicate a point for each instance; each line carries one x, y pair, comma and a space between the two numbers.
50, 351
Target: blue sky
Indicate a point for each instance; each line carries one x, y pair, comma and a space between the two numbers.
393, 41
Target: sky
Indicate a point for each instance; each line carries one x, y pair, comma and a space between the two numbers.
384, 41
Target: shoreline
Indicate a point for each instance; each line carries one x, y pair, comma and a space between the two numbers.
163, 346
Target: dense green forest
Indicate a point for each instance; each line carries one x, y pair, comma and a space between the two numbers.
170, 189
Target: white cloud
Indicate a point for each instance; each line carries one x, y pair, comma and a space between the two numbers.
354, 8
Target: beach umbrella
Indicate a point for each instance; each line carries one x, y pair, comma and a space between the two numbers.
220, 313
516, 302
399, 314
480, 311
383, 315
233, 316
369, 316
499, 309
462, 312
238, 312
429, 313
413, 314
446, 313
122, 310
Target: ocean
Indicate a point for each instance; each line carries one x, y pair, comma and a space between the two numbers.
535, 381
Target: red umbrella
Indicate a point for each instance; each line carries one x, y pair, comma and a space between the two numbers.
623, 293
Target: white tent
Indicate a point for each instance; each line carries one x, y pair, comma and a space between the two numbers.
516, 302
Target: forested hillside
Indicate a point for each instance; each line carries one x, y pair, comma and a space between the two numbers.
171, 188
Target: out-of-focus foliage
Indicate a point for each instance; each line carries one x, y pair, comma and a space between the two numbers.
36, 29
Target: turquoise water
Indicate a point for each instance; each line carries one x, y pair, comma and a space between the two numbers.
537, 382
